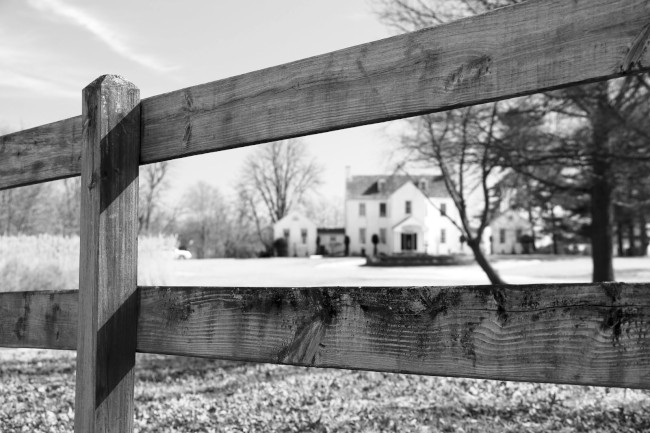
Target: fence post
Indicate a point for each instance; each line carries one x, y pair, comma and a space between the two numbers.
106, 338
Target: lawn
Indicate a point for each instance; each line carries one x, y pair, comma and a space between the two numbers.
176, 394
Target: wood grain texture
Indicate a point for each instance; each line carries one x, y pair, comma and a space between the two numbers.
523, 49
588, 334
591, 334
40, 154
518, 50
45, 320
109, 254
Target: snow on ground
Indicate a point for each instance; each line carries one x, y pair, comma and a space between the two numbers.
350, 271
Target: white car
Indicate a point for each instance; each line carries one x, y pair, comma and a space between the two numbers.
182, 254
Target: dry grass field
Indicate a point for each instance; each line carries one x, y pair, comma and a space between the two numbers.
176, 394
52, 262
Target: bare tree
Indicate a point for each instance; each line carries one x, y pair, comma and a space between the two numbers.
68, 204
244, 230
611, 132
22, 209
152, 185
459, 143
601, 143
276, 179
325, 211
205, 223
410, 15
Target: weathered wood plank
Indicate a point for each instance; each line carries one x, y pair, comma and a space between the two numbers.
45, 320
47, 152
513, 51
109, 255
589, 334
526, 48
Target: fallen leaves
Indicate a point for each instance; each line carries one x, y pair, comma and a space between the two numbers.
175, 394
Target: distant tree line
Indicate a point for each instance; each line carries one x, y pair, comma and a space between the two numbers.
275, 179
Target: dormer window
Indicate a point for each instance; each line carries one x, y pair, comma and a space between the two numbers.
423, 185
381, 185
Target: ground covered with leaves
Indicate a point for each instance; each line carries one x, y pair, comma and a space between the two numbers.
175, 394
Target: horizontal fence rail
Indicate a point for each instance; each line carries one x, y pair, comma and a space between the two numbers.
588, 334
44, 320
517, 50
47, 152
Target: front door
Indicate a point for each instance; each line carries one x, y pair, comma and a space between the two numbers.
409, 241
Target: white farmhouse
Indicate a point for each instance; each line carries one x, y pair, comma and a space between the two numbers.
406, 213
507, 230
299, 233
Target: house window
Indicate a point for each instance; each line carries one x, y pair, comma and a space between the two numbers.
502, 236
381, 185
362, 209
303, 235
408, 207
382, 209
362, 236
423, 185
443, 209
285, 233
382, 236
443, 236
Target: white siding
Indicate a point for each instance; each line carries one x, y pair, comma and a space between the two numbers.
428, 227
504, 233
296, 223
371, 222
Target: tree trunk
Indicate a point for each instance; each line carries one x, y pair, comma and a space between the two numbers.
554, 231
619, 239
643, 234
531, 220
483, 262
632, 238
602, 217
602, 208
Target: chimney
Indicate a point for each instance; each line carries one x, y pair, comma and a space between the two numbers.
347, 173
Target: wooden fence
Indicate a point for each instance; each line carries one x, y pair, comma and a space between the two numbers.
595, 334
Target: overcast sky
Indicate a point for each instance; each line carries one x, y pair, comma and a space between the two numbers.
51, 49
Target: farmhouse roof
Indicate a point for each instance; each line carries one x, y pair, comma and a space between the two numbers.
294, 216
368, 187
509, 218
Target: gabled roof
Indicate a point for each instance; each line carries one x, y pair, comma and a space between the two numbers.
510, 218
409, 219
367, 187
294, 216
